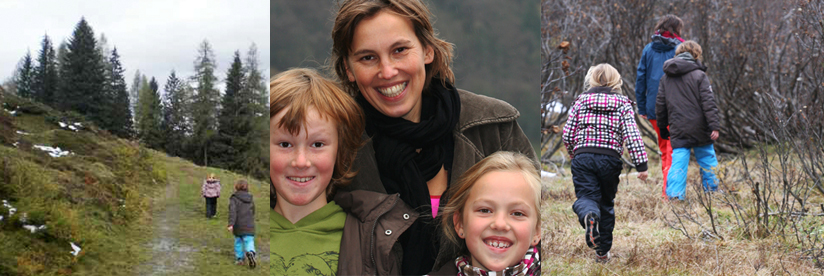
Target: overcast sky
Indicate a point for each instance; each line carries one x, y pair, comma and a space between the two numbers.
150, 35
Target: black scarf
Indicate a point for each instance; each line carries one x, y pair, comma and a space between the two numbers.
403, 170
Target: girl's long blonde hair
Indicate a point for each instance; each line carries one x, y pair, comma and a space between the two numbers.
459, 193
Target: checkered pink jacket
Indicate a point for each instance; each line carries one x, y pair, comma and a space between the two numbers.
600, 118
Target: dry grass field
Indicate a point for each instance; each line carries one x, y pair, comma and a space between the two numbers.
726, 235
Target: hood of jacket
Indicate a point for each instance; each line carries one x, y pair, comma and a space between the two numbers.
663, 44
595, 99
677, 66
243, 196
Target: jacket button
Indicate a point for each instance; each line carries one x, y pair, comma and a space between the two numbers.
405, 216
388, 232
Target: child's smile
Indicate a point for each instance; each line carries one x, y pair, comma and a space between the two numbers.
500, 220
302, 163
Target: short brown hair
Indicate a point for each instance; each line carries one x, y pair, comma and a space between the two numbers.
458, 194
242, 185
691, 47
300, 89
353, 11
670, 23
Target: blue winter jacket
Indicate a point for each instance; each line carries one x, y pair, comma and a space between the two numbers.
650, 71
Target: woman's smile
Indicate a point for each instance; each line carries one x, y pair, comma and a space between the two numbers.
388, 63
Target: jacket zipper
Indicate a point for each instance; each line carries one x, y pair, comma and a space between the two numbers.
374, 235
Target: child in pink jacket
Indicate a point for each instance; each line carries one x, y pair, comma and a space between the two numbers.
211, 192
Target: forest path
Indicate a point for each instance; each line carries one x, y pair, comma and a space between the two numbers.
185, 242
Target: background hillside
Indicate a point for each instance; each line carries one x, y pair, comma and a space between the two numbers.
497, 46
130, 209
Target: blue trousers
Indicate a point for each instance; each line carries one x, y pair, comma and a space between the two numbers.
596, 178
246, 242
677, 176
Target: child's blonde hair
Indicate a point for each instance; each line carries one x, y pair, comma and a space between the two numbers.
458, 194
300, 89
241, 185
691, 47
603, 75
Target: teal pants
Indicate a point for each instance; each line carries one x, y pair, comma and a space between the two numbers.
677, 176
243, 244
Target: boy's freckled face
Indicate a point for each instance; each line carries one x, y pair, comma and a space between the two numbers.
302, 164
500, 221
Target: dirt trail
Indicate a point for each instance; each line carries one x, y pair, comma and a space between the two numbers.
184, 242
169, 256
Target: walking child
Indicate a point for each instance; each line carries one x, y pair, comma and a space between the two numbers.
242, 223
600, 121
492, 222
650, 70
315, 133
210, 190
686, 105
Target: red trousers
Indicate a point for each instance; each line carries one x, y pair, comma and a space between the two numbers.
666, 155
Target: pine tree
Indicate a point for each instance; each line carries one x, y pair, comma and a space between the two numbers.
206, 104
46, 80
119, 112
82, 75
148, 124
62, 49
175, 125
134, 93
25, 76
235, 121
256, 159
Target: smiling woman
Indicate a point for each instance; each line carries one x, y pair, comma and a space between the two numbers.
422, 131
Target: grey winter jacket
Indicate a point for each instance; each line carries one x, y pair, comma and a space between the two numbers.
374, 221
686, 104
242, 213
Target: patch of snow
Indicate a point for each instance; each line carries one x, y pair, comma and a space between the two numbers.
62, 124
547, 174
33, 228
22, 132
54, 152
78, 125
1, 218
75, 249
72, 127
15, 144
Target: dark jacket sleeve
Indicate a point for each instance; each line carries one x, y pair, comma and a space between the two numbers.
661, 112
641, 83
708, 103
232, 211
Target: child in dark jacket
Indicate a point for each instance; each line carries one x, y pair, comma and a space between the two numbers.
687, 106
599, 123
242, 223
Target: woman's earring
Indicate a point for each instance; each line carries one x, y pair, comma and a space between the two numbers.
460, 234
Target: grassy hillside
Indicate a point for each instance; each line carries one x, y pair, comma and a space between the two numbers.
103, 194
657, 237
